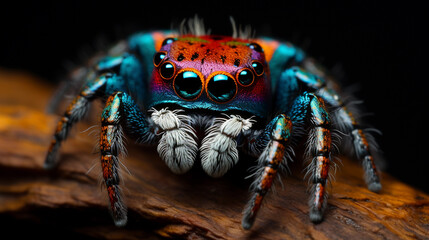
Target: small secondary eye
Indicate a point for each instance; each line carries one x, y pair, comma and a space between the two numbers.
168, 41
245, 77
167, 70
221, 88
258, 67
256, 47
157, 59
188, 85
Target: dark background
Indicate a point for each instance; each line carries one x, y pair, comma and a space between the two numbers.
381, 46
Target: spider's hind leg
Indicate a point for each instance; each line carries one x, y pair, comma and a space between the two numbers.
74, 113
68, 86
361, 141
112, 74
342, 118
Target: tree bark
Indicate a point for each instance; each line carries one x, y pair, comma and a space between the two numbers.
69, 200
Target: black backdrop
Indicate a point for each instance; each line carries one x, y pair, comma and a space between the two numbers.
380, 45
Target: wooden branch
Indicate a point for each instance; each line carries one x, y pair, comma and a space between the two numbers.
164, 205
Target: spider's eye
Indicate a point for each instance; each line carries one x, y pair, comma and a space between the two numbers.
168, 41
167, 70
188, 85
256, 47
157, 59
258, 67
221, 88
245, 77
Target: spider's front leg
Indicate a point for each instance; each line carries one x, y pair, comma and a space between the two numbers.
120, 113
307, 109
277, 133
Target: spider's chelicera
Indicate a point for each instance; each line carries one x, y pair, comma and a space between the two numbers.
254, 95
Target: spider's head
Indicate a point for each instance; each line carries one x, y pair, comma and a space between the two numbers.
213, 73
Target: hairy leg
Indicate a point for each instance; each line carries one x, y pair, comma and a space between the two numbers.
310, 110
120, 113
345, 119
268, 164
74, 113
111, 74
342, 117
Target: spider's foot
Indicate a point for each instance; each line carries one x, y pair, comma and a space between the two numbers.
51, 157
120, 222
316, 216
247, 221
49, 162
118, 208
374, 187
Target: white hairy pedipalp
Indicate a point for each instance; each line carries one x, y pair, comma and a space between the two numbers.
177, 146
219, 148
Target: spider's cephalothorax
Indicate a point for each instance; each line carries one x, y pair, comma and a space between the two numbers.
255, 95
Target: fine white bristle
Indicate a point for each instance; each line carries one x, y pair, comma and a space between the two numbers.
177, 146
193, 26
219, 148
239, 32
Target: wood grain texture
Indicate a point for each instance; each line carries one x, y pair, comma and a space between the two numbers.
164, 205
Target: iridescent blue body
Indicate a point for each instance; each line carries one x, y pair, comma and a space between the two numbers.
164, 87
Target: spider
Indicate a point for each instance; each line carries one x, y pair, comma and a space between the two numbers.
205, 97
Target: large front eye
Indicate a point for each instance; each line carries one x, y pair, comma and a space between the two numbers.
167, 70
188, 85
221, 88
245, 77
